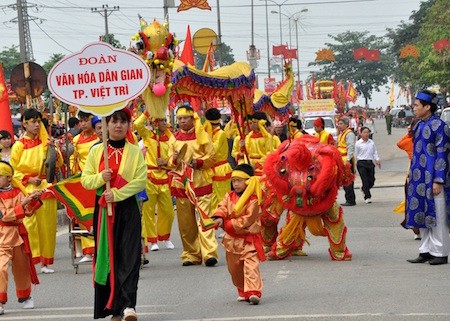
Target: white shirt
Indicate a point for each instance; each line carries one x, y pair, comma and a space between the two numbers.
366, 150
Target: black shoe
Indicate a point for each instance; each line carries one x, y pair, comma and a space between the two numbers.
145, 262
188, 263
439, 260
211, 261
348, 204
422, 258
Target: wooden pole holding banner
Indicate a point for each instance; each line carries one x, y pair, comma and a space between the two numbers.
105, 156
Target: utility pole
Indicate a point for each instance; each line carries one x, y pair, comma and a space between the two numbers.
23, 19
219, 45
268, 44
105, 12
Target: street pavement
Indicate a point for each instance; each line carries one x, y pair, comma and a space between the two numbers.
378, 284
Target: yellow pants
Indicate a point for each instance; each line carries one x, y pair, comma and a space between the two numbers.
157, 228
197, 245
41, 229
220, 188
20, 270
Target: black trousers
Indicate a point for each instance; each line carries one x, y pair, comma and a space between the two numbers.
350, 189
366, 170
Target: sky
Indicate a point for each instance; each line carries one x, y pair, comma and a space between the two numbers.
66, 26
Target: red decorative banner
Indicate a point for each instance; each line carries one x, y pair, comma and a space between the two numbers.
290, 54
279, 50
360, 53
442, 44
373, 55
189, 4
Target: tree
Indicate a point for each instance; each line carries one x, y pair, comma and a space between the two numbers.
405, 70
113, 41
366, 75
10, 57
227, 57
48, 65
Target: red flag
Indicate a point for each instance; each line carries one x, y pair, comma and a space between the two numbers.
360, 53
210, 60
5, 111
187, 56
441, 44
308, 92
300, 95
313, 87
279, 50
319, 93
335, 93
373, 55
290, 54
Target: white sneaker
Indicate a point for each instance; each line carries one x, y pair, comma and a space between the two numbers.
46, 270
2, 309
417, 237
129, 314
241, 299
28, 304
169, 245
368, 201
86, 258
154, 247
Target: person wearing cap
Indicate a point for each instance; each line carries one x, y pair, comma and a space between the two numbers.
117, 233
295, 128
222, 168
157, 143
239, 215
5, 145
198, 245
323, 136
82, 143
258, 143
428, 191
346, 146
27, 158
15, 205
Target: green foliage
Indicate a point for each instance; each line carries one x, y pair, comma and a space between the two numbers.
227, 57
366, 75
10, 57
113, 41
48, 65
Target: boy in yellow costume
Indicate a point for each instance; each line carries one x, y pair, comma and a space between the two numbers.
222, 168
258, 143
82, 144
197, 151
158, 190
27, 158
295, 128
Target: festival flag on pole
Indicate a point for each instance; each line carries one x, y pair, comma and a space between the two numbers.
78, 201
335, 93
313, 87
290, 54
5, 111
279, 50
299, 90
187, 56
373, 55
210, 60
308, 92
360, 53
352, 94
392, 95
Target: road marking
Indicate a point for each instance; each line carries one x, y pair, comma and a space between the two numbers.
81, 308
283, 274
69, 316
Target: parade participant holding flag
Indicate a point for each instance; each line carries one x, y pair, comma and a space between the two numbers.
118, 236
239, 215
193, 150
82, 143
222, 168
27, 158
157, 141
14, 246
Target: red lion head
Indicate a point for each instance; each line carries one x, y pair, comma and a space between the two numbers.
305, 175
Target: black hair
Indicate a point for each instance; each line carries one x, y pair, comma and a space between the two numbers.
365, 127
246, 168
298, 122
118, 115
432, 103
259, 115
5, 134
30, 114
82, 114
213, 114
73, 121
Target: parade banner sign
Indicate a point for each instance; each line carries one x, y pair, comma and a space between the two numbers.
99, 79
317, 107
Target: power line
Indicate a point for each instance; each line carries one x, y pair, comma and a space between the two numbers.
51, 37
105, 12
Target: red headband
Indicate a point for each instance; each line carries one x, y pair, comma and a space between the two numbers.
319, 122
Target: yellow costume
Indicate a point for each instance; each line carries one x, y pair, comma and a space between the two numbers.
27, 158
82, 146
157, 187
325, 137
198, 245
